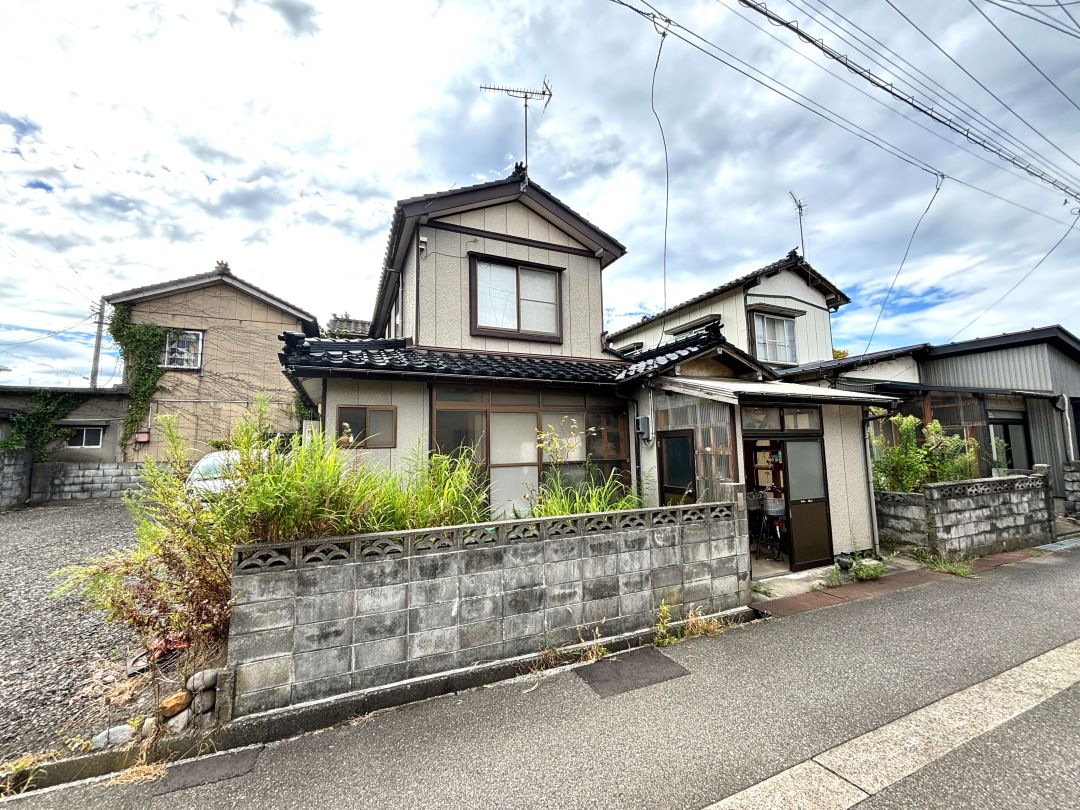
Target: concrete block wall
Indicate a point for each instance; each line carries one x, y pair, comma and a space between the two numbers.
82, 480
15, 466
901, 517
316, 619
1072, 489
987, 515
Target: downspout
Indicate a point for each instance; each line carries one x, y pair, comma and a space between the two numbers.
416, 285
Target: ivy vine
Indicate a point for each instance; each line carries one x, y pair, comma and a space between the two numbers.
36, 430
141, 345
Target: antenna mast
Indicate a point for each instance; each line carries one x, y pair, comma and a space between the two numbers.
800, 206
525, 95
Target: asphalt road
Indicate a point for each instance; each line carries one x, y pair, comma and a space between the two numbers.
757, 701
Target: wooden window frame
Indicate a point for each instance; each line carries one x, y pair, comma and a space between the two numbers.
365, 443
174, 333
476, 330
783, 430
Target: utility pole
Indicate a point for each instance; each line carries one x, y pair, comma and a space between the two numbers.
97, 343
525, 95
800, 206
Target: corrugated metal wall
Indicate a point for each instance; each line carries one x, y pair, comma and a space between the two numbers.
1024, 367
1044, 421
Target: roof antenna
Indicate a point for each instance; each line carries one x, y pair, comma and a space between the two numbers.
525, 95
800, 206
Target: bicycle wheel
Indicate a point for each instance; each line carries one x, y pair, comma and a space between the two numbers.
775, 544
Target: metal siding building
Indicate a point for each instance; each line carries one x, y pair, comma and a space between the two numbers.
1025, 368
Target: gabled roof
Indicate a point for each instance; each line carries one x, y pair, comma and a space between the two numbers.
824, 368
219, 275
793, 262
316, 357
706, 341
408, 213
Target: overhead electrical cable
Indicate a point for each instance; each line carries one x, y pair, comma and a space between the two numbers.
995, 164
950, 102
50, 334
990, 92
1056, 25
1020, 280
881, 84
1020, 51
907, 250
806, 103
1065, 8
667, 166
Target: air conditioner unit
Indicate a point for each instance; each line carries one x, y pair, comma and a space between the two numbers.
643, 427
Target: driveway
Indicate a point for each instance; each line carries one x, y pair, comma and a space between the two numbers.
56, 657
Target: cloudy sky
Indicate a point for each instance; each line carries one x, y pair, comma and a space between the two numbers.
141, 141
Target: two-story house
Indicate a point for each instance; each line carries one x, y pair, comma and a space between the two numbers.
488, 326
219, 354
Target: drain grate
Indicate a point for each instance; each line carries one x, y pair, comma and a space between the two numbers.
625, 672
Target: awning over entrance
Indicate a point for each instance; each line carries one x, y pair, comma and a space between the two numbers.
731, 391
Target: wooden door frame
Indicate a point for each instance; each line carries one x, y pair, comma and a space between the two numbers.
678, 432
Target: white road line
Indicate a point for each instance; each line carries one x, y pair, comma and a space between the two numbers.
845, 775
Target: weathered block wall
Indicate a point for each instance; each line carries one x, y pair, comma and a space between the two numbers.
321, 618
82, 480
901, 517
15, 468
1072, 489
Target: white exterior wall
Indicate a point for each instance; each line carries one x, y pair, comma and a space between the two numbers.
445, 284
902, 369
849, 483
813, 331
412, 403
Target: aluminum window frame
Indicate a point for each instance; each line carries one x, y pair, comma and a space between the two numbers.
476, 329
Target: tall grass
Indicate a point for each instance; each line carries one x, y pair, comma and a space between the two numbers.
174, 586
556, 496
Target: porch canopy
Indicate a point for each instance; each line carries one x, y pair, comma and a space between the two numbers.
731, 391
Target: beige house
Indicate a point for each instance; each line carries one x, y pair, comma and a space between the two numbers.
94, 424
221, 351
488, 326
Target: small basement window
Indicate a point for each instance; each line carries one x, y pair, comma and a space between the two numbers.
182, 350
85, 437
365, 426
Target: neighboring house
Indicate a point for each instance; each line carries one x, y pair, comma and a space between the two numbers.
95, 423
488, 325
219, 354
1016, 394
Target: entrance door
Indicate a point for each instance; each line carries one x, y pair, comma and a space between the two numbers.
676, 461
808, 506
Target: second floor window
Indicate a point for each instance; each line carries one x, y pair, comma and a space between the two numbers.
182, 350
510, 300
775, 338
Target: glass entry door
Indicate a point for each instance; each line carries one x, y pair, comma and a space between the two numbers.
810, 539
676, 462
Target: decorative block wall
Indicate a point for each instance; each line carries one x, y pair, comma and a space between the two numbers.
1072, 489
969, 518
313, 619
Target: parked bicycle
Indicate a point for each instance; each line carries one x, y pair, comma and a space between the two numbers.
770, 510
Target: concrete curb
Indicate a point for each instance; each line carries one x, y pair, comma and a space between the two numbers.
292, 721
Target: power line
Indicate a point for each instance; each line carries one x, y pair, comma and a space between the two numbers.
50, 334
962, 108
1021, 280
911, 101
1064, 7
878, 101
1055, 24
911, 239
968, 73
821, 112
1020, 51
667, 166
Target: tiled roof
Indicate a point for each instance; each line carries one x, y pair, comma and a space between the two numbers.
793, 261
394, 357
852, 361
652, 361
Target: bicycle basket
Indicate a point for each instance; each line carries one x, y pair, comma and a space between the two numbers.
753, 501
774, 506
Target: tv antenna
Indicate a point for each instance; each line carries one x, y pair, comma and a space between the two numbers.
525, 95
800, 207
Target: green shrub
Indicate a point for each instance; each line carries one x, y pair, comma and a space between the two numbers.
949, 458
866, 568
909, 465
174, 586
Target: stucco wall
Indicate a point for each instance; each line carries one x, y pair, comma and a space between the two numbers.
240, 347
412, 401
444, 280
105, 409
849, 483
902, 369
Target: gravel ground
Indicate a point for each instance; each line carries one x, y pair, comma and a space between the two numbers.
57, 658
